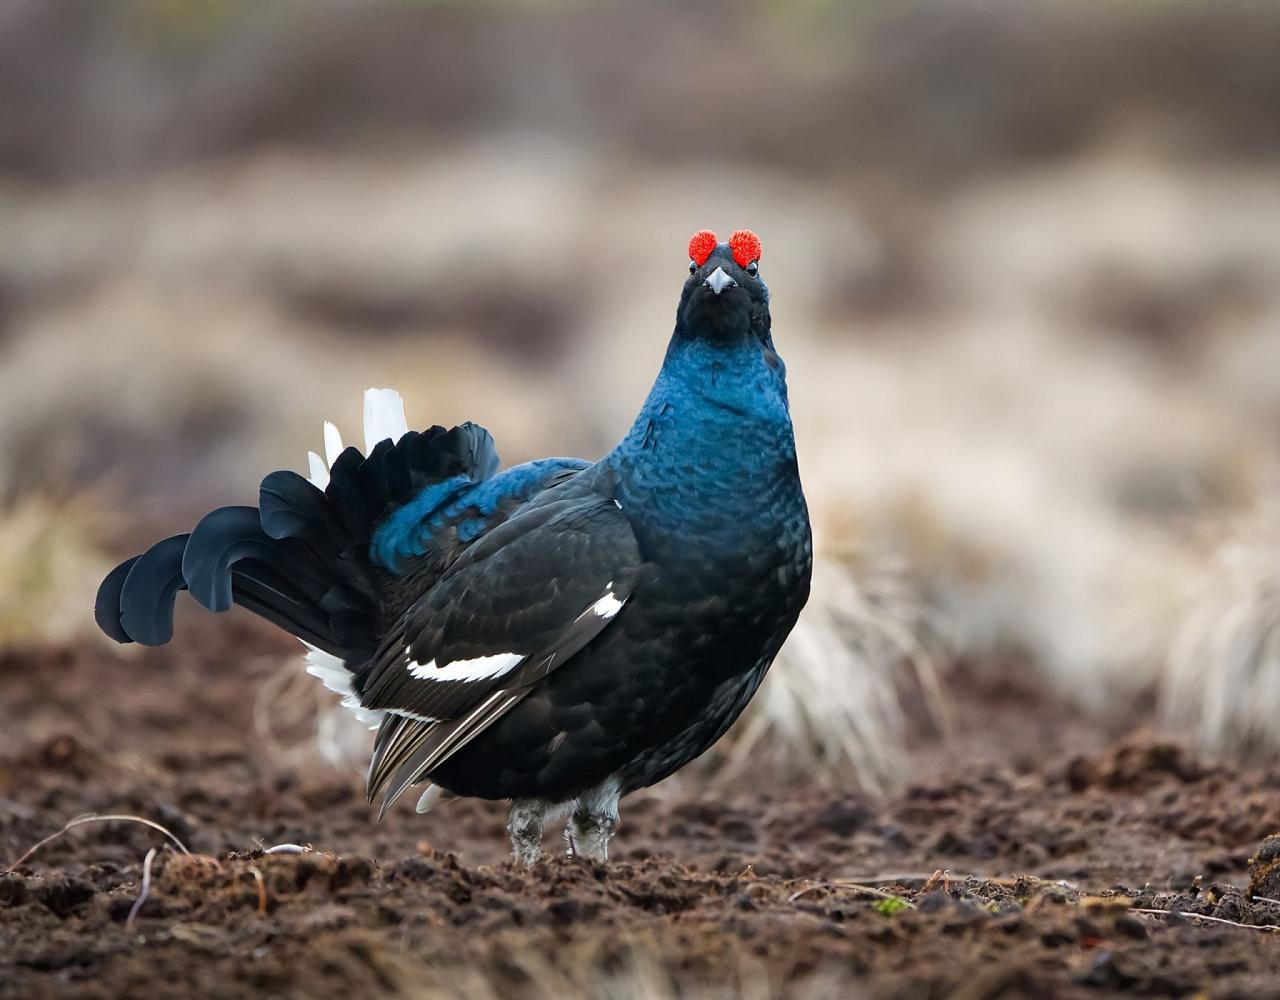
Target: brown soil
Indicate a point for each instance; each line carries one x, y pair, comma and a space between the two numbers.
1054, 830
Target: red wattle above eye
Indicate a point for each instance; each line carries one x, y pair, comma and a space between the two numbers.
701, 244
745, 246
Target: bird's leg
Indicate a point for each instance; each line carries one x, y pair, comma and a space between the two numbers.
594, 818
527, 817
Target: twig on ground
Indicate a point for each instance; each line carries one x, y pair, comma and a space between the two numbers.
853, 887
289, 849
94, 818
1270, 928
943, 876
146, 888
262, 891
1267, 899
905, 877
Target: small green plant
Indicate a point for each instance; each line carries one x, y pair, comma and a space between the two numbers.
890, 906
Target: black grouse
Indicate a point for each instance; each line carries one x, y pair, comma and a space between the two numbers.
560, 633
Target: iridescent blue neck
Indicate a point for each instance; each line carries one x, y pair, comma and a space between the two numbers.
716, 419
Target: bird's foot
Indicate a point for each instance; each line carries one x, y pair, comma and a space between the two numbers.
591, 825
525, 825
588, 837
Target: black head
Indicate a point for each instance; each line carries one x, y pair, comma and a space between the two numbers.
725, 299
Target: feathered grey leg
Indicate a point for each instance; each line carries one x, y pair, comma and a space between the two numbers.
594, 818
527, 818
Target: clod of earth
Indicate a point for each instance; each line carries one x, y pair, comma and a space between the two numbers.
1264, 869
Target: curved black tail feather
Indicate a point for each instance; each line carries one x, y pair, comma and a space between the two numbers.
301, 558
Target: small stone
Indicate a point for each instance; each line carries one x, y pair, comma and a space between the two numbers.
1264, 869
1131, 926
13, 889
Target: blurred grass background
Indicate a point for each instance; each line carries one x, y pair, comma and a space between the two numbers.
1025, 261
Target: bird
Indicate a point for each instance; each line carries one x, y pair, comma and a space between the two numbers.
557, 634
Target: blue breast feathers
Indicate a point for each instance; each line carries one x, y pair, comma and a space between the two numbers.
463, 506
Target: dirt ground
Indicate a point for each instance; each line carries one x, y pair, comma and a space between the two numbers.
1056, 831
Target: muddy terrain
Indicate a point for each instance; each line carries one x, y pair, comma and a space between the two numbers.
1033, 853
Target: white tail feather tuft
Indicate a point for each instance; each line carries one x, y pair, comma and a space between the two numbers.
319, 472
383, 417
332, 443
432, 797
334, 675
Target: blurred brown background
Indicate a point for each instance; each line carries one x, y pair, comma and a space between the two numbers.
1024, 260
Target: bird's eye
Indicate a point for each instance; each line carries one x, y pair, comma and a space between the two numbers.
753, 269
693, 266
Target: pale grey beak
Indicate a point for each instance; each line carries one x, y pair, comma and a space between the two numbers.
718, 281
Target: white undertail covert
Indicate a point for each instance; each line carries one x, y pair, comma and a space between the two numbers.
383, 418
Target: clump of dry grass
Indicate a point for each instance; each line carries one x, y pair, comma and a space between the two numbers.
830, 708
296, 717
50, 565
1221, 682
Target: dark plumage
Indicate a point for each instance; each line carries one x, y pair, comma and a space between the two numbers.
559, 632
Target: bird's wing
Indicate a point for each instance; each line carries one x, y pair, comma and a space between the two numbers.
520, 602
445, 517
